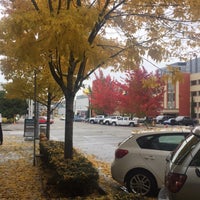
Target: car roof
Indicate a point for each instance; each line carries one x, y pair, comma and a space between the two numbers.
161, 131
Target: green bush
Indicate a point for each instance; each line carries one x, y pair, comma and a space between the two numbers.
75, 176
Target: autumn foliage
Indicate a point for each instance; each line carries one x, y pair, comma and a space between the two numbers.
71, 38
104, 95
141, 94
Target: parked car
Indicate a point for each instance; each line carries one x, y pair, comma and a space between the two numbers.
185, 121
140, 159
110, 119
125, 121
171, 121
107, 119
96, 120
182, 178
161, 118
62, 117
78, 118
43, 120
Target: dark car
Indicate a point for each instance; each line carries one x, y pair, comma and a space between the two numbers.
185, 121
171, 121
161, 118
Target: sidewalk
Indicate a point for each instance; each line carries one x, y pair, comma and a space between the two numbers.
20, 180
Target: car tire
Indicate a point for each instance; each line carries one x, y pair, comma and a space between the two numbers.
141, 182
132, 124
114, 124
92, 121
107, 123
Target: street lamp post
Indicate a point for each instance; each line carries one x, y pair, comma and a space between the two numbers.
36, 125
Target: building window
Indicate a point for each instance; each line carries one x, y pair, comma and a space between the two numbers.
194, 94
170, 96
171, 100
194, 82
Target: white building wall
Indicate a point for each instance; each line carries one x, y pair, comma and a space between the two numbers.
81, 105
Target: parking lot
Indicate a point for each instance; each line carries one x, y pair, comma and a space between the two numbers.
96, 139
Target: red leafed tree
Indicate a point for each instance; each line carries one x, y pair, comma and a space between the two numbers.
104, 94
142, 94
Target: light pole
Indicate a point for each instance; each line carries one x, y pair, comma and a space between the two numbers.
35, 117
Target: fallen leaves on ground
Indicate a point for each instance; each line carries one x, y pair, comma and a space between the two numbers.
19, 178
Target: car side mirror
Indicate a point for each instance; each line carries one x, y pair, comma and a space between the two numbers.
197, 171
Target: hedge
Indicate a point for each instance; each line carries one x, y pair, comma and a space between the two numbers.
75, 176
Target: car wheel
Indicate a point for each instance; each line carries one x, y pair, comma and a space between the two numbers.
107, 123
114, 123
92, 121
141, 182
132, 124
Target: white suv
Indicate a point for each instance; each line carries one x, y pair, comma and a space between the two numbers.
140, 159
125, 121
97, 120
182, 181
109, 120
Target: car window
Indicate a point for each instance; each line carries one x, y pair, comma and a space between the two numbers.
171, 139
166, 142
185, 148
196, 160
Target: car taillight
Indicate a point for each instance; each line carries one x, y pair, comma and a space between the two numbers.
119, 153
174, 181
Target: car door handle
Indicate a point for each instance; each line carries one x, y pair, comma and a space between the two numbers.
149, 157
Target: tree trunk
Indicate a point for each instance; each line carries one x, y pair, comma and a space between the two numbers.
69, 116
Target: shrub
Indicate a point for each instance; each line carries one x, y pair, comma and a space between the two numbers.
75, 176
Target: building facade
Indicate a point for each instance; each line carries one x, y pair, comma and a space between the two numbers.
81, 106
183, 96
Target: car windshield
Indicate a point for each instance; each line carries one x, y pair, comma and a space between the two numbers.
184, 149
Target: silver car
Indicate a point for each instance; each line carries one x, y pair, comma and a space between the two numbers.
140, 160
182, 180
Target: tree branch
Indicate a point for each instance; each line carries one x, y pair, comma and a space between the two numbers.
50, 6
102, 19
35, 5
59, 7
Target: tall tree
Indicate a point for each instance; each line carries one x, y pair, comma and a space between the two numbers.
21, 86
104, 94
142, 94
71, 36
11, 107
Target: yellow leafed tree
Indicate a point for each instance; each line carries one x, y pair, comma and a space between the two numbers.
22, 85
72, 38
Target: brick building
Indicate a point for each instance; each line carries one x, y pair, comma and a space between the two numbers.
178, 97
